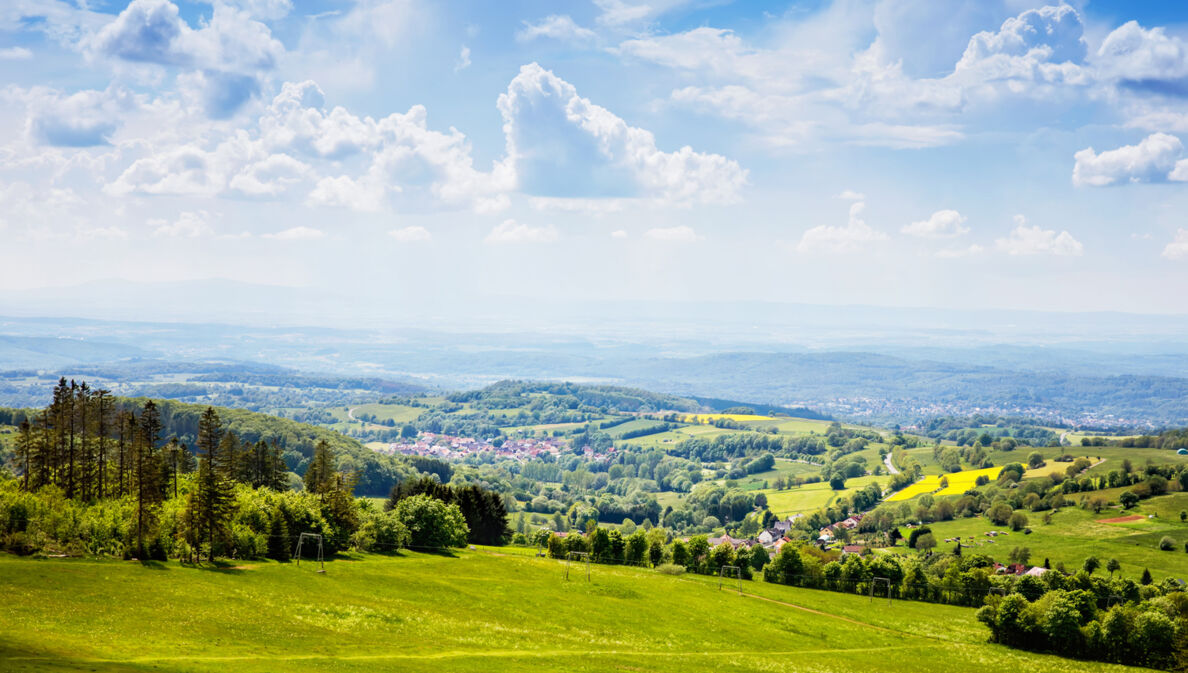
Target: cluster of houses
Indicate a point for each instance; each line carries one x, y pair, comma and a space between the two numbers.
451, 447
829, 533
772, 539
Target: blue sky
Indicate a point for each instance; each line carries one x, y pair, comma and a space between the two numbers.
912, 153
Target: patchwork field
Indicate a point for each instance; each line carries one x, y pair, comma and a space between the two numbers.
485, 611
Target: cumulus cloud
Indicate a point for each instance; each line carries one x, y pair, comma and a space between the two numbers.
1032, 240
224, 58
510, 231
851, 195
270, 176
942, 224
1044, 44
557, 27
411, 234
1149, 161
678, 234
618, 233
827, 79
264, 9
297, 234
1145, 60
1178, 247
562, 145
376, 164
187, 225
82, 119
856, 235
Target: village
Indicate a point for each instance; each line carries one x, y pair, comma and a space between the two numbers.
450, 447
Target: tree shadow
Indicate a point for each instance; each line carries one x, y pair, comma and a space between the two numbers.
22, 658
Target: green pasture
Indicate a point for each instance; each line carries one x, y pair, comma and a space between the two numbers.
487, 610
1075, 534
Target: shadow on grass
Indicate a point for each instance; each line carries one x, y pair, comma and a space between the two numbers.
20, 658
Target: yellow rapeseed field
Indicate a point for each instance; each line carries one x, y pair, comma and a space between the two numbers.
710, 418
959, 482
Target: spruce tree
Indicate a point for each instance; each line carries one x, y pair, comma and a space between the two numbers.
319, 476
278, 537
214, 489
148, 469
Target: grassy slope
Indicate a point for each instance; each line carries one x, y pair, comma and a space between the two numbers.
477, 612
1075, 534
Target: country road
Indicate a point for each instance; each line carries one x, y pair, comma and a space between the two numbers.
890, 467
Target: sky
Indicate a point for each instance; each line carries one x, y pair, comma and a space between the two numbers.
982, 154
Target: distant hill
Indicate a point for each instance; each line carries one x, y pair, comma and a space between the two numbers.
18, 352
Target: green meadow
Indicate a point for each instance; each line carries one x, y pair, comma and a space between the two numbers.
485, 610
1073, 534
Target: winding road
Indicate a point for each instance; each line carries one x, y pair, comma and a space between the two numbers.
890, 467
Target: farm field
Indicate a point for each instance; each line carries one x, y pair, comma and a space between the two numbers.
811, 497
488, 610
1075, 534
959, 482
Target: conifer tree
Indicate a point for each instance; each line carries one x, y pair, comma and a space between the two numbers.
148, 468
25, 450
319, 476
278, 537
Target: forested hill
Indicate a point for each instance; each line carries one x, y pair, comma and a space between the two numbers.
376, 473
514, 394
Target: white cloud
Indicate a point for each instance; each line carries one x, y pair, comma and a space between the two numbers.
1149, 161
942, 224
1040, 44
411, 234
463, 61
15, 54
510, 231
1031, 240
187, 225
678, 234
955, 253
224, 58
1178, 247
851, 195
854, 236
301, 233
562, 145
617, 13
825, 79
1144, 60
342, 160
82, 119
557, 27
264, 9
270, 176
618, 233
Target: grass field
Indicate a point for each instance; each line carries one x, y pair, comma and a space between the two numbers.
478, 611
811, 497
1075, 534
